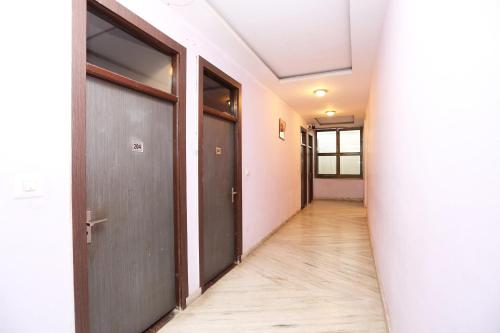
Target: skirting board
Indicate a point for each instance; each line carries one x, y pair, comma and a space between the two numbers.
253, 248
342, 199
380, 286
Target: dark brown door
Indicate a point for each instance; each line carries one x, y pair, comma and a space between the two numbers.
219, 173
128, 175
303, 168
219, 196
130, 208
310, 167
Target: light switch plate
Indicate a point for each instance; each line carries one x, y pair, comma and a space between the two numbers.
28, 185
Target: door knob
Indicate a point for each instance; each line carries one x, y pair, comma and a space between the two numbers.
90, 224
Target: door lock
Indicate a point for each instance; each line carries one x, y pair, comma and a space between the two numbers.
233, 193
90, 224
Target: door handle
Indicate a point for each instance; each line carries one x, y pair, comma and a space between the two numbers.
233, 193
90, 224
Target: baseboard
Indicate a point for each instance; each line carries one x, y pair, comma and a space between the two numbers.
380, 285
192, 297
259, 243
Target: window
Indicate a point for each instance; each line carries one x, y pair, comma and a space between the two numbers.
116, 50
218, 95
339, 153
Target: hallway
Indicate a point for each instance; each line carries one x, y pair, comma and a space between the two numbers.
316, 274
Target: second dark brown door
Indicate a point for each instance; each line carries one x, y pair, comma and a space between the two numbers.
310, 177
219, 196
303, 169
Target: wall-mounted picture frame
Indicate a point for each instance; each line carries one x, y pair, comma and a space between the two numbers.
282, 129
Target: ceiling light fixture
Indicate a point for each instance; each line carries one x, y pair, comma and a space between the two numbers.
330, 113
320, 92
178, 3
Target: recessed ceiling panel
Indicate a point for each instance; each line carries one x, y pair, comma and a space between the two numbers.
293, 37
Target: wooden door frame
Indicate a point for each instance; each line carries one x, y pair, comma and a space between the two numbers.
215, 73
144, 31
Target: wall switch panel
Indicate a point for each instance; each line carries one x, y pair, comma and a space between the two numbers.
27, 186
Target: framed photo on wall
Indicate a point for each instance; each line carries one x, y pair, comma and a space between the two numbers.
282, 129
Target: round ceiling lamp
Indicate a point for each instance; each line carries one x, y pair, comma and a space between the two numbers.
330, 113
320, 92
178, 3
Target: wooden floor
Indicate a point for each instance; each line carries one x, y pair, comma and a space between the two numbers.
316, 274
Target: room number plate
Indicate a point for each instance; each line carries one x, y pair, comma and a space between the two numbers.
138, 147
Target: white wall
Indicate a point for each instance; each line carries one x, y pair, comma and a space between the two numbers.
36, 277
36, 286
271, 190
433, 157
341, 189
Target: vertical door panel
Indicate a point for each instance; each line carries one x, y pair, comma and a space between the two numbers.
131, 256
303, 175
310, 174
218, 181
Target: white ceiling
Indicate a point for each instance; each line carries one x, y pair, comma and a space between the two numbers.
290, 38
282, 38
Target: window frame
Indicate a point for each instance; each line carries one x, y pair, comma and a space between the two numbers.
233, 90
338, 154
105, 10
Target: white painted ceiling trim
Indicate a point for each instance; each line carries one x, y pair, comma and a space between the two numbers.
348, 90
313, 37
336, 72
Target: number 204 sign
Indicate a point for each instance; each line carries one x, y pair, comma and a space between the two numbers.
138, 147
